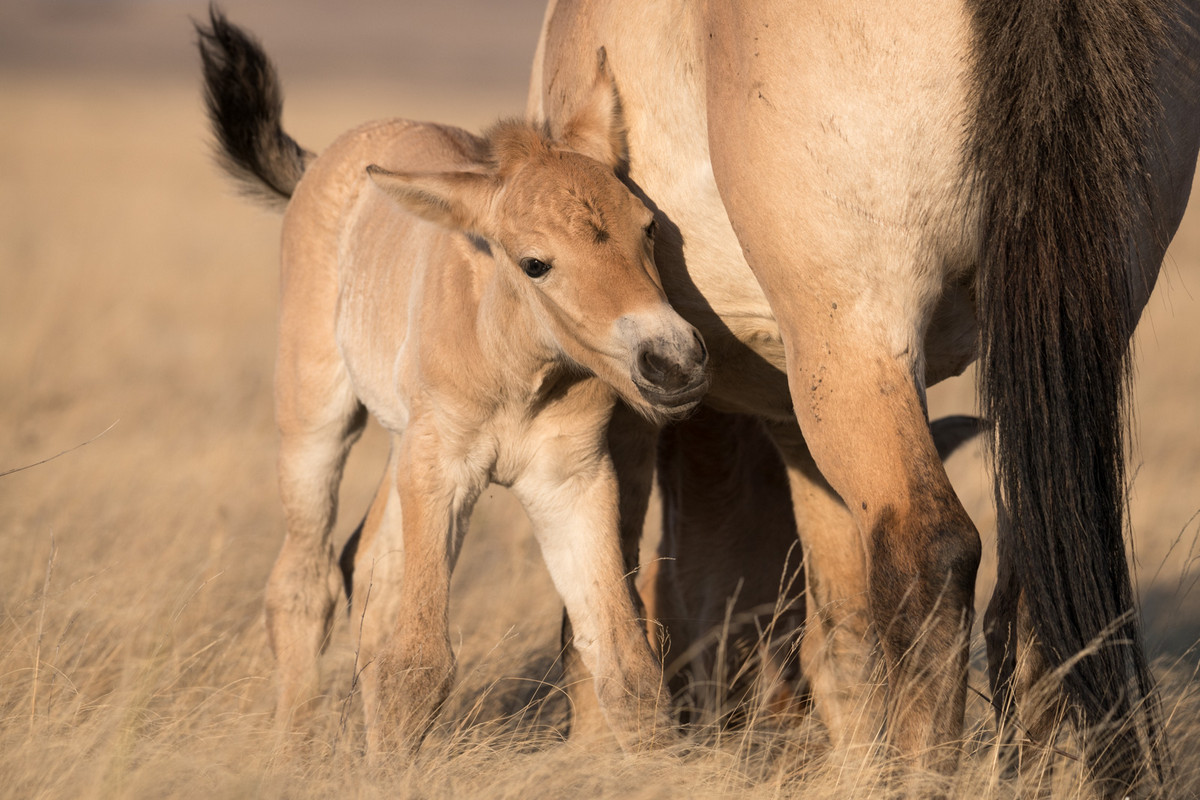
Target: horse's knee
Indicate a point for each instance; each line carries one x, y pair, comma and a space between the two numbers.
923, 569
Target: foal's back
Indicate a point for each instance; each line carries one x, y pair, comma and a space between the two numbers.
360, 266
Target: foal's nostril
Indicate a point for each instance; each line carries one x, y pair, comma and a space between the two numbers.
671, 364
703, 359
651, 364
659, 370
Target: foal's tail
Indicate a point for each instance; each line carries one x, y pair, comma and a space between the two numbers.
1061, 150
245, 106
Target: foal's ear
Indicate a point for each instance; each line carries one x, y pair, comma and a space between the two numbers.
597, 128
456, 200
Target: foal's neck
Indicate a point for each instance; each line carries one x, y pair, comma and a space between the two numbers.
511, 339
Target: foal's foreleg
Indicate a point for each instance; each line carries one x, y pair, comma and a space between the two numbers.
376, 577
631, 444
575, 520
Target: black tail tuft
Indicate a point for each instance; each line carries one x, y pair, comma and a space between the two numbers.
245, 106
1060, 149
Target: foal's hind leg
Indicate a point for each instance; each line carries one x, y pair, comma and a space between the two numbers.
318, 420
411, 674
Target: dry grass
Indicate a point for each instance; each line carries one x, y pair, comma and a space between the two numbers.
138, 289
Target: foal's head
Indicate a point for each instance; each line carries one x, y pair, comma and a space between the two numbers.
576, 246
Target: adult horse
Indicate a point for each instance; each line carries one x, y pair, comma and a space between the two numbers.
856, 200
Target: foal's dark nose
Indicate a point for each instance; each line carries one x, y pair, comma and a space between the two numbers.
671, 367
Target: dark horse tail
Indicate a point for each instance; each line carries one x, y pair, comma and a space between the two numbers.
245, 106
1060, 152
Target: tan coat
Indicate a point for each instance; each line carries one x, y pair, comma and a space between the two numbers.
495, 304
855, 195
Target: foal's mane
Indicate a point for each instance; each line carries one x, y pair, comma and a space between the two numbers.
511, 142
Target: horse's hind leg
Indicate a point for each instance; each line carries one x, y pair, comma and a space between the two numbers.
874, 446
305, 584
856, 396
839, 651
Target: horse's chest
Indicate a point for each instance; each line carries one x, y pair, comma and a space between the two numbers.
554, 436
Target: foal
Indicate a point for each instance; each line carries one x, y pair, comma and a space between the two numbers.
492, 302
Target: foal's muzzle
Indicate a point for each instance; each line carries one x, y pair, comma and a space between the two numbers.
670, 374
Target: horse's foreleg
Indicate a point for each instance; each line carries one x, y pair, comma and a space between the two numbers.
575, 521
725, 588
412, 673
319, 419
631, 442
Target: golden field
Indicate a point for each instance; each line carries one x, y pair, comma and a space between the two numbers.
137, 299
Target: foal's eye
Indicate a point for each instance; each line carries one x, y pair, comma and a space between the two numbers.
651, 229
534, 268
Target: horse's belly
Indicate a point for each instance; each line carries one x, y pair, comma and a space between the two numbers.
378, 268
710, 284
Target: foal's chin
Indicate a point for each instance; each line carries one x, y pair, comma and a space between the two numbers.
673, 406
